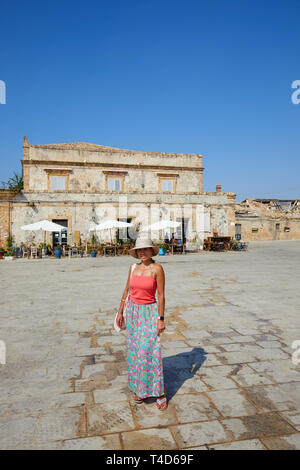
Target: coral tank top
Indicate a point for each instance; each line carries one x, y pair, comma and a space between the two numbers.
142, 289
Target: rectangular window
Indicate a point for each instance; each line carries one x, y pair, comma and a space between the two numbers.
114, 184
167, 185
286, 229
277, 226
57, 183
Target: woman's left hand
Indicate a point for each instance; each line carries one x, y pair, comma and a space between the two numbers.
160, 326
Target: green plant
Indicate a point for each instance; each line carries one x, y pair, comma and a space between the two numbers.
8, 253
10, 241
93, 239
16, 182
163, 246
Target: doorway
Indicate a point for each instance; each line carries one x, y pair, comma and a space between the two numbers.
60, 238
124, 233
182, 231
238, 231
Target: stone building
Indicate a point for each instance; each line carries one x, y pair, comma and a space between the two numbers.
268, 219
80, 184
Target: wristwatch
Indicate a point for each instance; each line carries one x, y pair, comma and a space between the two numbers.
162, 318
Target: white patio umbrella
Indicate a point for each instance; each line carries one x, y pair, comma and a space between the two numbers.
161, 225
45, 226
109, 225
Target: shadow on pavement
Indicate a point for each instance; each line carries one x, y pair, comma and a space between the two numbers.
181, 367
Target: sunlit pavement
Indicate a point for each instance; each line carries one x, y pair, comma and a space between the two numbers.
231, 319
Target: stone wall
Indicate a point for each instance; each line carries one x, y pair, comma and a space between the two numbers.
6, 201
88, 163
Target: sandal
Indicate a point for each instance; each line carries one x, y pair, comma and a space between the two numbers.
136, 399
161, 401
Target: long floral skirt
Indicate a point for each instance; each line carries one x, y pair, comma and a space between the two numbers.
145, 370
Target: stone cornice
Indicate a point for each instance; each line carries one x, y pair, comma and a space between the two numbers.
137, 166
57, 171
86, 146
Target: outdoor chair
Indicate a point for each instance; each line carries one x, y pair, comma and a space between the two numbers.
33, 252
25, 251
74, 251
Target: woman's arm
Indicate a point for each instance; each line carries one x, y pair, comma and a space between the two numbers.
119, 317
160, 279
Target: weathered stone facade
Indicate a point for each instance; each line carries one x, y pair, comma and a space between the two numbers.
83, 183
6, 203
268, 219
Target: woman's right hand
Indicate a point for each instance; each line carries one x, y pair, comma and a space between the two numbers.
120, 320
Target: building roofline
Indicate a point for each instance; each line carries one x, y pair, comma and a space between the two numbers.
100, 148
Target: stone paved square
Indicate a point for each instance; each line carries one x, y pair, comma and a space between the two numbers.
227, 353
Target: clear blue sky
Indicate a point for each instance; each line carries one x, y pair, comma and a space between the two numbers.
188, 77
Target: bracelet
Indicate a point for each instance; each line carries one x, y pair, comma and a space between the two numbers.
120, 311
123, 300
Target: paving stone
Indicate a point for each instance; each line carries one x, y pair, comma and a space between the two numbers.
197, 434
232, 403
219, 383
110, 417
247, 427
293, 417
93, 369
237, 357
216, 371
269, 344
279, 371
246, 331
247, 444
84, 385
57, 445
240, 347
248, 379
147, 415
269, 397
147, 439
111, 394
110, 442
195, 334
229, 315
211, 360
292, 390
194, 407
242, 339
59, 424
270, 354
291, 442
70, 400
16, 432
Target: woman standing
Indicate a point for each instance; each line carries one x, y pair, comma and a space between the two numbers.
144, 323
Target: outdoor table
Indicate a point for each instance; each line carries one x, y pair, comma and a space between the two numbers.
219, 242
111, 248
179, 246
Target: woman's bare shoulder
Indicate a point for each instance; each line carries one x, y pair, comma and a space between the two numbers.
158, 267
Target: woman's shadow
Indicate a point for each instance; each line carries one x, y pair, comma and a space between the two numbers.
181, 367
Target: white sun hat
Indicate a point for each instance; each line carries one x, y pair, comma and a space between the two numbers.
143, 243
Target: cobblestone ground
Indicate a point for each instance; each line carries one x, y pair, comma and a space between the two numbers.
231, 319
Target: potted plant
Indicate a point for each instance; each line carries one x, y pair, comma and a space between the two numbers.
2, 251
162, 249
8, 256
94, 252
57, 251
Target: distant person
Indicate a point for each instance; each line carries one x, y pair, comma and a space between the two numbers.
144, 324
